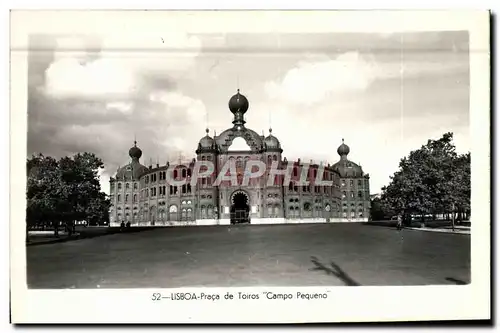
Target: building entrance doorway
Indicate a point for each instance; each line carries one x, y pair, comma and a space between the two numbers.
240, 209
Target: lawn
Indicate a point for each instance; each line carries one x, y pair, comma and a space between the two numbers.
285, 255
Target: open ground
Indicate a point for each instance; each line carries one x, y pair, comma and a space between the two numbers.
274, 255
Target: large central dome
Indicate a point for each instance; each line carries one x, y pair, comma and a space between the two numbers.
238, 103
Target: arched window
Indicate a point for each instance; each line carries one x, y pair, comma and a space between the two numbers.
359, 182
119, 197
188, 188
183, 173
189, 214
135, 198
290, 186
175, 174
203, 158
269, 210
135, 186
277, 210
127, 186
172, 210
126, 198
184, 214
275, 157
184, 188
269, 159
127, 217
210, 212
343, 194
353, 213
360, 195
189, 172
119, 186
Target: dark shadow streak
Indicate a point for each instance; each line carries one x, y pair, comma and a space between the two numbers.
84, 235
456, 281
335, 270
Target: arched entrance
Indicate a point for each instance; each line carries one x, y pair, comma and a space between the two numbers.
240, 208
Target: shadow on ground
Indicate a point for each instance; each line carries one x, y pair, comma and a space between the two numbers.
83, 233
334, 270
456, 281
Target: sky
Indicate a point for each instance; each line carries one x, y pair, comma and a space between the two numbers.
384, 94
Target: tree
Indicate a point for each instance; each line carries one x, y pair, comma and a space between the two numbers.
64, 191
430, 180
98, 210
46, 194
378, 211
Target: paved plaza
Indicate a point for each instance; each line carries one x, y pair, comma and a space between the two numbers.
273, 255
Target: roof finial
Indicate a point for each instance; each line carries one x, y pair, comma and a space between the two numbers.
342, 140
270, 130
135, 140
207, 130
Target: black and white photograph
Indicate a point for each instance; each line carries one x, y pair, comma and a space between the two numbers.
177, 152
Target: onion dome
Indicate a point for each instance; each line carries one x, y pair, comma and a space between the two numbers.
271, 141
344, 167
206, 141
134, 170
343, 149
135, 152
238, 103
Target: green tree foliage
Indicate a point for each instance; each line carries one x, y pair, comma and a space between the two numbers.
64, 191
431, 180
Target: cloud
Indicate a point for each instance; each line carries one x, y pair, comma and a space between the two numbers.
67, 78
116, 66
312, 82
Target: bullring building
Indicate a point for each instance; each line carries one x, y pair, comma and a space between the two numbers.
142, 195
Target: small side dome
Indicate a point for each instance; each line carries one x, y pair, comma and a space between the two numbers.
271, 141
343, 149
206, 141
238, 103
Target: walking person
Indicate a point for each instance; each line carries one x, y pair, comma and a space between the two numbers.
400, 222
